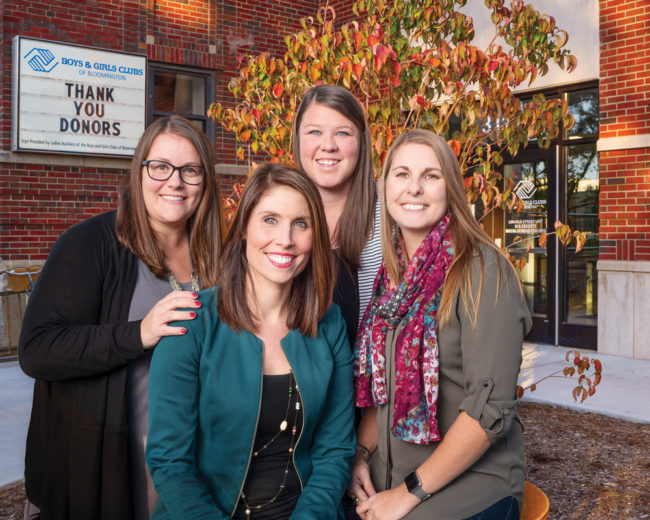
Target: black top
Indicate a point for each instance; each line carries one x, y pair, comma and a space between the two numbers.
76, 341
267, 468
346, 296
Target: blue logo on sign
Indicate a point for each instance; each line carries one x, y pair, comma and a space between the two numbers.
40, 59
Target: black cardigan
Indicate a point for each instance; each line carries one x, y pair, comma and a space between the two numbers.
76, 341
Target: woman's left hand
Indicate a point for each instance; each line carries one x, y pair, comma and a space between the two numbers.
391, 504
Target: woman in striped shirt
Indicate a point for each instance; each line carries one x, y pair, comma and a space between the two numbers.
331, 146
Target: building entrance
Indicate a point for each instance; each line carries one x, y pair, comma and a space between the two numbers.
559, 284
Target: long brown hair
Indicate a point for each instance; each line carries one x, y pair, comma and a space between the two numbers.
359, 209
311, 291
467, 234
204, 228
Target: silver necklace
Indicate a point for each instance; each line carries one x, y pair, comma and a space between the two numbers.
177, 287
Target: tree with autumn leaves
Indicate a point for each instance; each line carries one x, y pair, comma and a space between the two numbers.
412, 64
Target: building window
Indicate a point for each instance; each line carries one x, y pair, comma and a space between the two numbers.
580, 162
182, 91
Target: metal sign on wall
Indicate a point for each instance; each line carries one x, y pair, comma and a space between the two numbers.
75, 99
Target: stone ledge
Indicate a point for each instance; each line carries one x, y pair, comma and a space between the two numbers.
80, 161
624, 266
628, 142
65, 160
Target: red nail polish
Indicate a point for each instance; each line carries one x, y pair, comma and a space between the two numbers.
183, 330
192, 314
196, 295
197, 303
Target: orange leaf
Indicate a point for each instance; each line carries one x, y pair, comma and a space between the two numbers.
372, 40
533, 388
357, 70
357, 39
581, 240
434, 62
240, 153
455, 146
520, 391
542, 240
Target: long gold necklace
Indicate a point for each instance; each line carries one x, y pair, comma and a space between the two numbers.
283, 426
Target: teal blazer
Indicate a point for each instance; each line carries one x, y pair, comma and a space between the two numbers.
204, 400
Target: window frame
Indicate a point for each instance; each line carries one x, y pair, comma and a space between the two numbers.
208, 76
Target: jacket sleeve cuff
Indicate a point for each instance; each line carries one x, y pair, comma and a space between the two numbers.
495, 417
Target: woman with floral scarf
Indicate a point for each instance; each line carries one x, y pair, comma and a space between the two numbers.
438, 353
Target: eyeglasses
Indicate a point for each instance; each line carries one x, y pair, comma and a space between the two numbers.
162, 170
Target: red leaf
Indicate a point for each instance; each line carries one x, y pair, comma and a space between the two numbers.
381, 55
492, 65
257, 114
278, 89
372, 40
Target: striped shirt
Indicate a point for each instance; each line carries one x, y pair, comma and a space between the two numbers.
370, 263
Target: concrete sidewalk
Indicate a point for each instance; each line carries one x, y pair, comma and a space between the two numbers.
623, 393
15, 406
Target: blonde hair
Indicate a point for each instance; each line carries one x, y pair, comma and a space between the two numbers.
466, 234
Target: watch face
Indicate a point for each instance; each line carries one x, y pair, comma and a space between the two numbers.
414, 486
412, 481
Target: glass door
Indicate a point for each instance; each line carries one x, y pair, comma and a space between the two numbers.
530, 173
579, 285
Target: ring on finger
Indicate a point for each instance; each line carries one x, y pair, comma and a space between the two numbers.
356, 501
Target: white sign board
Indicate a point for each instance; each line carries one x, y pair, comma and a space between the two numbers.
74, 99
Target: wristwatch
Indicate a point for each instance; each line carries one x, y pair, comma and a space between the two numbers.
414, 486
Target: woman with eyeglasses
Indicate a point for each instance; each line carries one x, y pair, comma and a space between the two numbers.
109, 291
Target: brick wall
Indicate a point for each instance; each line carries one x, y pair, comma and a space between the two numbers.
624, 112
39, 201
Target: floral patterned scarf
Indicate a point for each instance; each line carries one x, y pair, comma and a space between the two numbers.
414, 300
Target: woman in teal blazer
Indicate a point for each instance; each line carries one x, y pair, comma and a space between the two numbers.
226, 439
